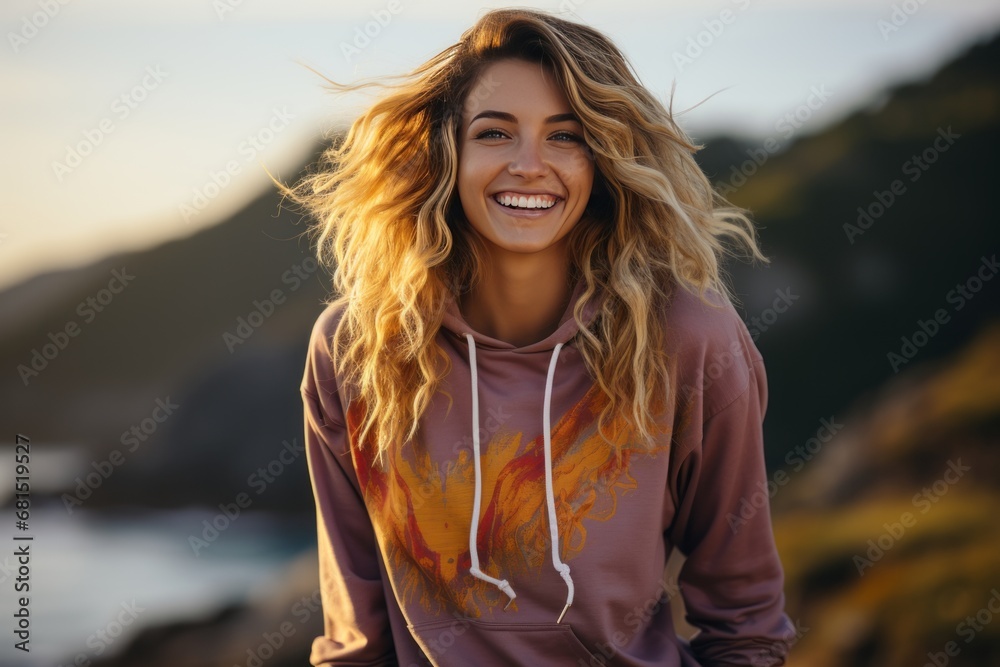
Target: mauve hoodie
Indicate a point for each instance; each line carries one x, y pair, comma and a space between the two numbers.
546, 548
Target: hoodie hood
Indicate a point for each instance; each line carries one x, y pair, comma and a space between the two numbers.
567, 329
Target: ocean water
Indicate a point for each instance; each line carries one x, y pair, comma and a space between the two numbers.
96, 579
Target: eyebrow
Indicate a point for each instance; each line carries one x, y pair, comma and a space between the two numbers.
511, 118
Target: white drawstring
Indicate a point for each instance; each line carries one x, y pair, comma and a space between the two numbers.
560, 567
503, 585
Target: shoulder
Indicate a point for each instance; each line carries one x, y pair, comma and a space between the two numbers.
712, 353
319, 378
329, 319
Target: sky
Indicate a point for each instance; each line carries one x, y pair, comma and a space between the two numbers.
126, 124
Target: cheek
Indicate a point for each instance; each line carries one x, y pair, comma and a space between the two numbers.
465, 176
471, 171
582, 181
579, 169
470, 189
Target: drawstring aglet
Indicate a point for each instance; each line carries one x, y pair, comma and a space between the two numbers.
504, 585
563, 613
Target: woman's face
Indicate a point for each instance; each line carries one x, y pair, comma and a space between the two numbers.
524, 171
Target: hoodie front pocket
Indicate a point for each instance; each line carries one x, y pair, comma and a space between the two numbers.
466, 643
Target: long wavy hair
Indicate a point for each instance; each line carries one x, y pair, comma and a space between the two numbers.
389, 223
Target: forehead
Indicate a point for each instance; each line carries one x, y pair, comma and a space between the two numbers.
512, 84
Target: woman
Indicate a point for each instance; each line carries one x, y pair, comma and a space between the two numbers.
533, 384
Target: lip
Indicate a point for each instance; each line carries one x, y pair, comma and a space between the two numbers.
527, 193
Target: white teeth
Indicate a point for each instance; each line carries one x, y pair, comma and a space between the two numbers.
526, 202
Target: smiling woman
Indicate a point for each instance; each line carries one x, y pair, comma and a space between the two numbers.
521, 225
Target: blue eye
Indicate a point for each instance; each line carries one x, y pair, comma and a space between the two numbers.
570, 136
484, 134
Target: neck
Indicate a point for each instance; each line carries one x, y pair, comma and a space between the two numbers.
519, 302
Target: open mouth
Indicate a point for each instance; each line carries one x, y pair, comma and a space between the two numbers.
526, 203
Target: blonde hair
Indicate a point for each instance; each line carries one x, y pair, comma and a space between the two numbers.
390, 224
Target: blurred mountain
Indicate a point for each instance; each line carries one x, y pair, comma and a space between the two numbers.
185, 358
888, 531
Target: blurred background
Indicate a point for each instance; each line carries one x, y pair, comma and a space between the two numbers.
156, 300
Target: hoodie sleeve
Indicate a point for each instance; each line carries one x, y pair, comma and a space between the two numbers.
356, 627
732, 580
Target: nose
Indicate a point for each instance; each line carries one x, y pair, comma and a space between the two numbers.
527, 161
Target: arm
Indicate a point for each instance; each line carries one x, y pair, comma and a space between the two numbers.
356, 625
732, 579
